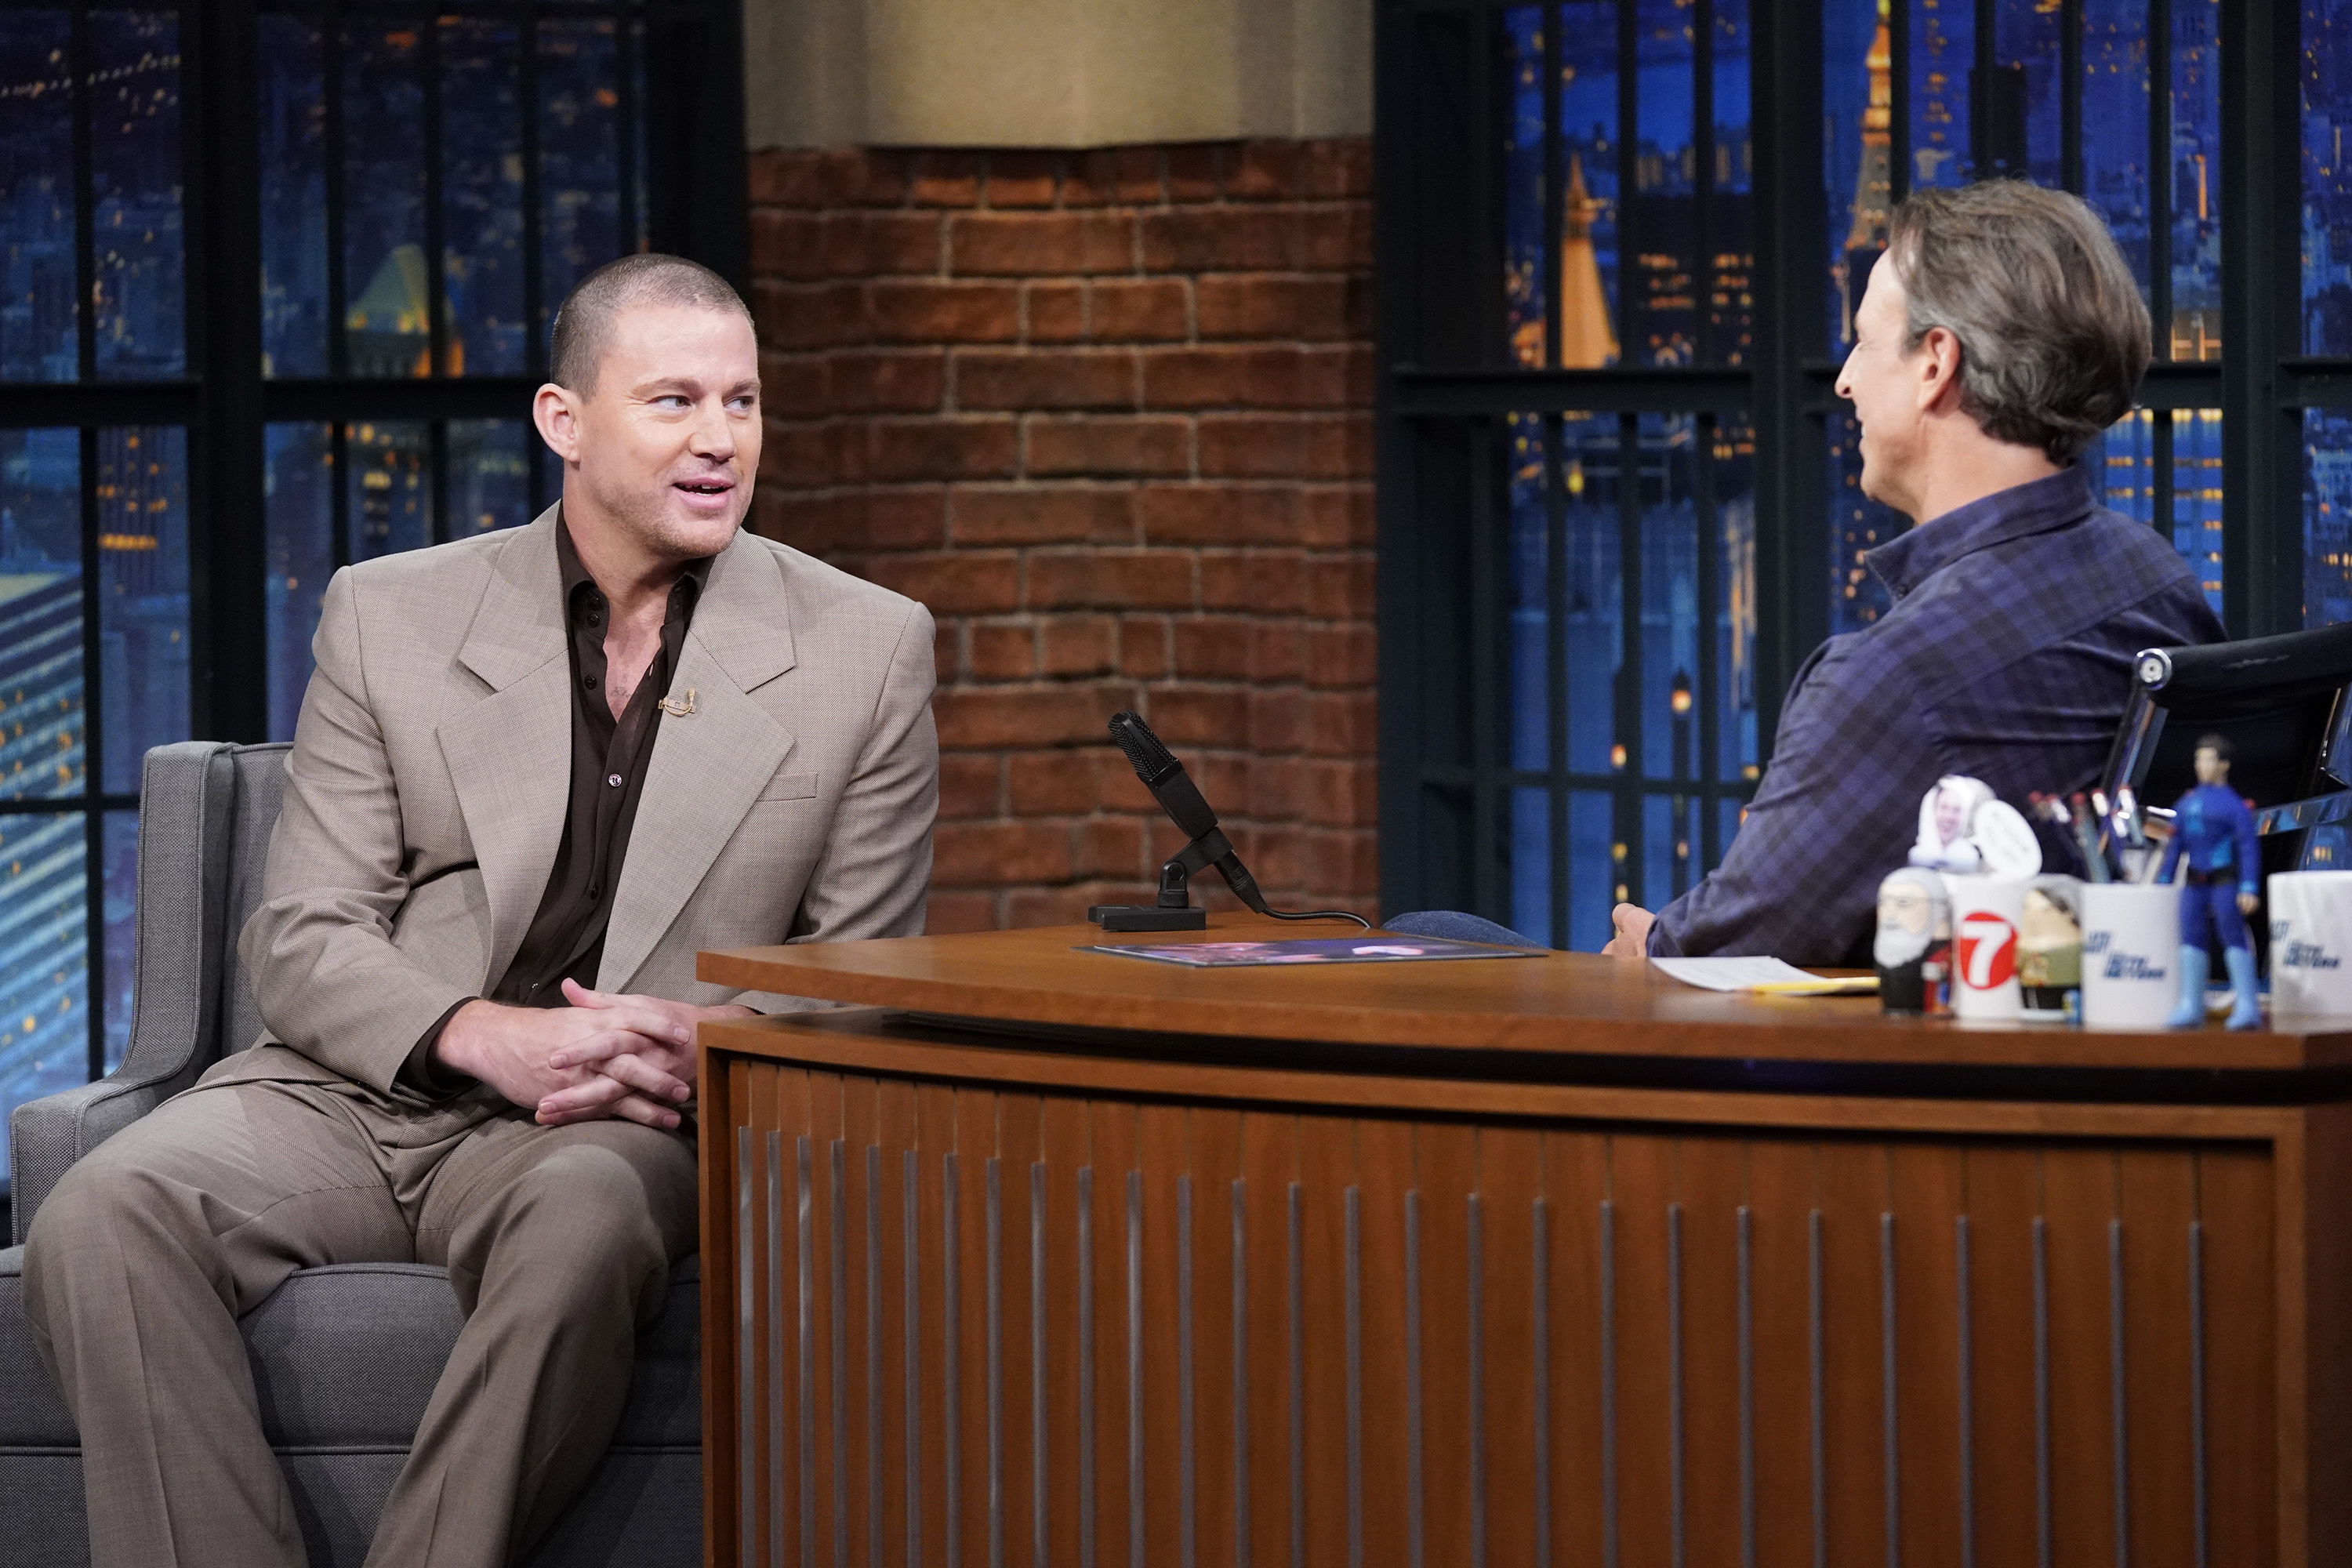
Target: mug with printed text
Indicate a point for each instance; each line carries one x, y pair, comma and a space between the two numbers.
2311, 942
2131, 954
1986, 915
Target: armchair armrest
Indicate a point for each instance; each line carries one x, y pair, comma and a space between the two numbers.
186, 799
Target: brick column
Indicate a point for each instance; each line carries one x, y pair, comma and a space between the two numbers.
1108, 414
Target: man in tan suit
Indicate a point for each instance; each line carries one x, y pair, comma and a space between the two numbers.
536, 771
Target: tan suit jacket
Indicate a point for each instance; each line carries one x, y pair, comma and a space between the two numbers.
426, 791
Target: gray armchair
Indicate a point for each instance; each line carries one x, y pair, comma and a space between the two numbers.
343, 1358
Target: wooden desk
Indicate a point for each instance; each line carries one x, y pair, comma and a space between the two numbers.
1505, 1262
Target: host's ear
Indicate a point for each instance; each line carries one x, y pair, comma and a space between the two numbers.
1939, 369
556, 411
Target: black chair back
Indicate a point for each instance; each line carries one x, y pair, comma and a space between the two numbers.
2281, 702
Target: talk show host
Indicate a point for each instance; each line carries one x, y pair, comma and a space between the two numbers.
536, 771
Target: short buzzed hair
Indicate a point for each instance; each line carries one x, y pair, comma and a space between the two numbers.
583, 322
2053, 333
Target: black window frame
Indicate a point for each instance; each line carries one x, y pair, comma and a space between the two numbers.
696, 185
1445, 384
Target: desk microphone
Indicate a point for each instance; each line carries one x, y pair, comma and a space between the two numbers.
1205, 846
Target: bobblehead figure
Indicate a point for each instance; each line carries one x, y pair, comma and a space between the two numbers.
2223, 886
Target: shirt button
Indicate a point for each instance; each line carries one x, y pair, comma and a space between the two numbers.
595, 893
612, 779
589, 681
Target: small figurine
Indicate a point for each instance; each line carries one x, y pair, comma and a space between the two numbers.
1944, 842
2050, 943
1913, 947
2220, 887
1965, 831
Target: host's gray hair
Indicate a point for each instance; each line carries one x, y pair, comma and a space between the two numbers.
583, 322
2053, 333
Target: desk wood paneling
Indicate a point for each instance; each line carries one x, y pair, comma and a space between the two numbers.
1007, 1300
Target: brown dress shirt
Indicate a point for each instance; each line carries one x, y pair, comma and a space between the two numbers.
566, 936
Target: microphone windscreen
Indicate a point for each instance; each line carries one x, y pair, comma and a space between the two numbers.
1152, 761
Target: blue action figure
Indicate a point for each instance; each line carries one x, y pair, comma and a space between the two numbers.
2224, 859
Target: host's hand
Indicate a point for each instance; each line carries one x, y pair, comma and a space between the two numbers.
515, 1051
625, 1064
1633, 939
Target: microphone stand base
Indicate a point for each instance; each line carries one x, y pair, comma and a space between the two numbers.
1144, 917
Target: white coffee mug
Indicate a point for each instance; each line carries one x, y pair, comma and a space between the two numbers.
1986, 914
2311, 942
2131, 954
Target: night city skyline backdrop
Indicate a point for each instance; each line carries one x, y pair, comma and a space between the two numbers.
49, 973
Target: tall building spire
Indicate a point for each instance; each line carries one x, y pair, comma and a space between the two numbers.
1874, 185
1587, 341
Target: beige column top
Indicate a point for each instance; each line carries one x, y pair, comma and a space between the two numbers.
1054, 73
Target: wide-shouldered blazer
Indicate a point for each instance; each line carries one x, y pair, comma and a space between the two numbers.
427, 791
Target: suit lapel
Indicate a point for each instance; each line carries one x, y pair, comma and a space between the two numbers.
509, 753
708, 765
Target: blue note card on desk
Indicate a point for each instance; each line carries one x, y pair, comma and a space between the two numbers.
1319, 950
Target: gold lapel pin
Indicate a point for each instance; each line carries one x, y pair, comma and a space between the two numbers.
677, 710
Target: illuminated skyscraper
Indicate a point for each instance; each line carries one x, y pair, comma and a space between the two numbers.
1587, 340
1873, 189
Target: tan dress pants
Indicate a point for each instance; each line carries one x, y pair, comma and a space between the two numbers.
558, 1241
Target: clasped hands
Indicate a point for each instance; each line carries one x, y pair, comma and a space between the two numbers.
603, 1056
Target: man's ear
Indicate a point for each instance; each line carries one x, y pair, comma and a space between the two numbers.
556, 411
1939, 369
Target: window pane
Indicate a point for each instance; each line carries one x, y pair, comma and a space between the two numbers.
135, 126
579, 152
1735, 601
1529, 741
1591, 621
1857, 98
1857, 526
37, 201
121, 890
41, 739
1731, 211
391, 493
1587, 301
1942, 49
1526, 294
1670, 598
2021, 103
384, 224
43, 960
1666, 168
2326, 180
1531, 863
1595, 879
143, 553
298, 522
293, 198
2120, 467
489, 474
2196, 495
2114, 124
2196, 175
481, 185
2326, 517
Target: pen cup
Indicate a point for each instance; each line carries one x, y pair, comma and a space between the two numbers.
2311, 942
1986, 914
2131, 954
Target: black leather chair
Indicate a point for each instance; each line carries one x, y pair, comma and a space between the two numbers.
2283, 703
